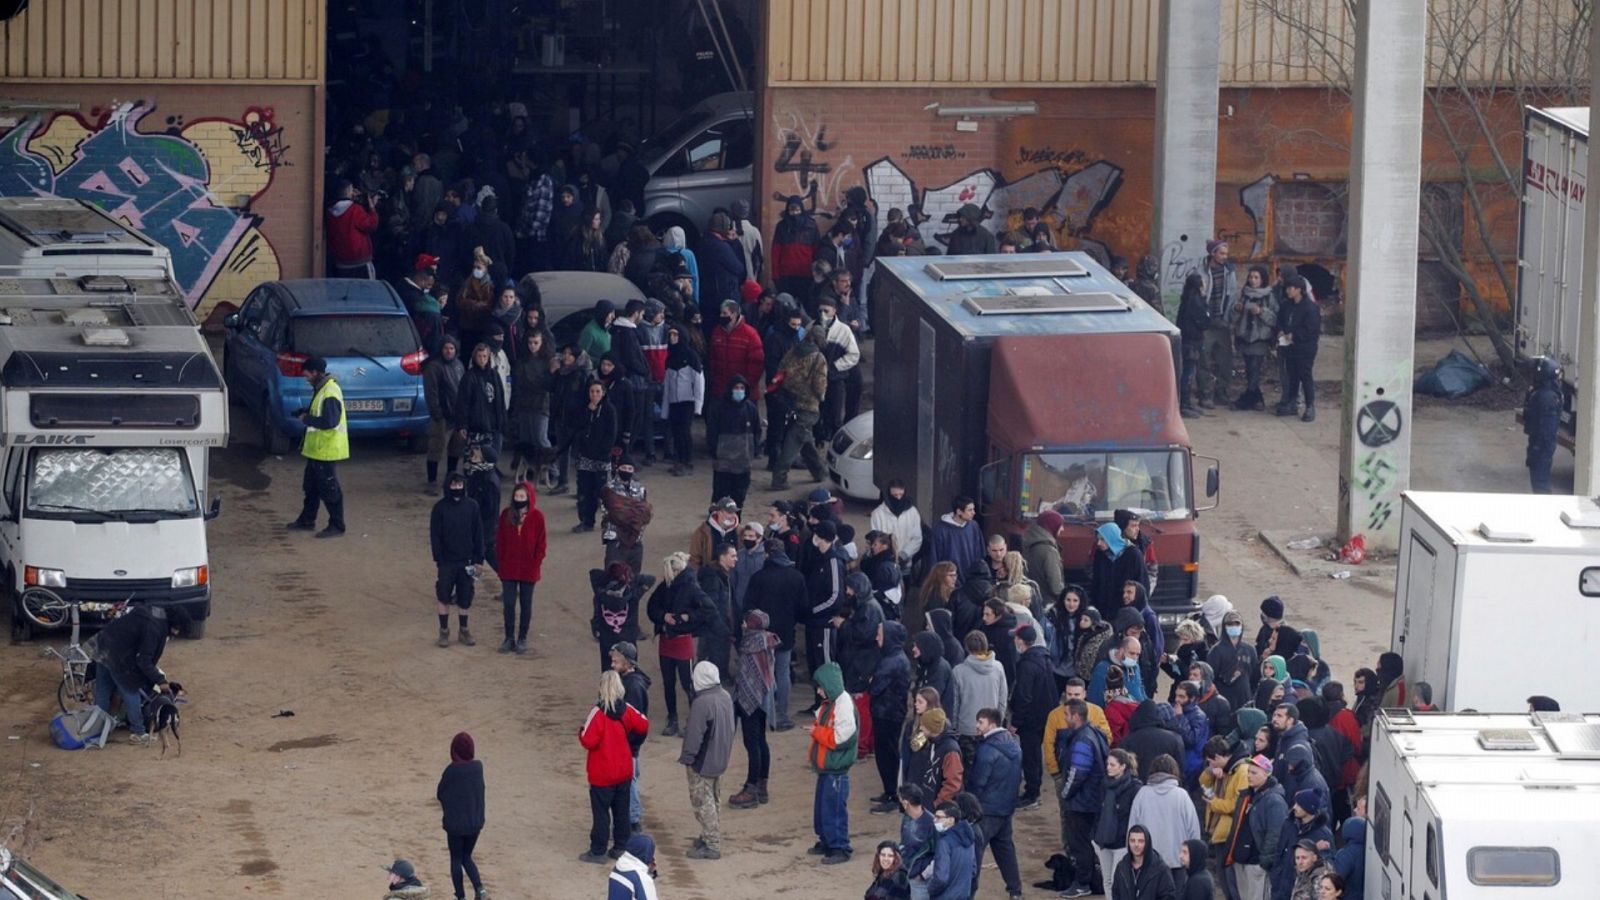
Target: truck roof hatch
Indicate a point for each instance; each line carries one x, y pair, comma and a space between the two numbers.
1571, 735
1011, 266
103, 336
1025, 302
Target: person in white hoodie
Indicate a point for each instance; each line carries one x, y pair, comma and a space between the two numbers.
844, 357
634, 875
1165, 809
897, 516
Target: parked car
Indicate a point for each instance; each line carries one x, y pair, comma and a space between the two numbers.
850, 459
360, 327
700, 162
568, 299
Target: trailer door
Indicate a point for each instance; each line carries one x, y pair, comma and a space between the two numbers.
1408, 871
1412, 629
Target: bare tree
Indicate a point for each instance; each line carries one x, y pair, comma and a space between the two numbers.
1483, 56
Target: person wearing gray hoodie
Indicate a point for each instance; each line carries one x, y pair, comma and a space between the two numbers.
1165, 809
978, 682
707, 747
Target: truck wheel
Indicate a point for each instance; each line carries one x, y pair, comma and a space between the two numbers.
195, 629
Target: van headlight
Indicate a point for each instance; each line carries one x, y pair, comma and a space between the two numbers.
862, 450
191, 577
35, 576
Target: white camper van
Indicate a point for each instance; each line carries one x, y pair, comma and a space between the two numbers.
1476, 567
109, 405
1499, 807
49, 237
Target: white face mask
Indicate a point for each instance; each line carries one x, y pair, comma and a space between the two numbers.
941, 826
479, 273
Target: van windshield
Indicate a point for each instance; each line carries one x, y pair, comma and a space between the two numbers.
94, 484
1091, 485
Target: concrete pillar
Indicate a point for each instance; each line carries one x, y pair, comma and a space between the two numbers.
1586, 453
1381, 280
1187, 80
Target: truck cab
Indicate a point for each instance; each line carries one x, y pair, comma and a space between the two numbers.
109, 405
1109, 442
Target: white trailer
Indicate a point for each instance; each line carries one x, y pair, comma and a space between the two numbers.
1555, 159
1499, 807
56, 237
1477, 569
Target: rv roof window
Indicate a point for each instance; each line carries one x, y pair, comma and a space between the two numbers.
1513, 866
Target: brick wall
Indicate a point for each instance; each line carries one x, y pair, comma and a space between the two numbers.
228, 177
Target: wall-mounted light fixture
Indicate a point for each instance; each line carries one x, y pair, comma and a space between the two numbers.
1002, 110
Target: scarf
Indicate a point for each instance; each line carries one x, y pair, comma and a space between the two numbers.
681, 355
896, 507
754, 679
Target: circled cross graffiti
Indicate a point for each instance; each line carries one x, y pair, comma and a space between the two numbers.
1378, 423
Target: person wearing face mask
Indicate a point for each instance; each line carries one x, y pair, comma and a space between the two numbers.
520, 545
735, 351
803, 375
455, 533
970, 236
738, 434
752, 556
787, 329
794, 242
627, 514
954, 860
474, 303
1235, 663
844, 358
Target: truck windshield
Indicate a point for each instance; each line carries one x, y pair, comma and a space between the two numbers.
1091, 485
113, 483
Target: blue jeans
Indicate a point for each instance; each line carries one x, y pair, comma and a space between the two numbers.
830, 811
781, 671
132, 699
635, 808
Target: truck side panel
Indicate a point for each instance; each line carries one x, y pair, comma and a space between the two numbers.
1550, 248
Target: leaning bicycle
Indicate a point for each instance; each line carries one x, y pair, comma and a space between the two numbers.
47, 609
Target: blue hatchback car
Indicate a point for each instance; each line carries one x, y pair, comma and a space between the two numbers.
360, 327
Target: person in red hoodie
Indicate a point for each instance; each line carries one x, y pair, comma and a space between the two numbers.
610, 766
520, 547
736, 349
351, 223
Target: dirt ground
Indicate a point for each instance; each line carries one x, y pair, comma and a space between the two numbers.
341, 633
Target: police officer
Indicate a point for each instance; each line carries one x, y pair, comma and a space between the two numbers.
1541, 416
326, 442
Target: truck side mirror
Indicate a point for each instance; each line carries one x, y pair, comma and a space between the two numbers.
1213, 482
215, 510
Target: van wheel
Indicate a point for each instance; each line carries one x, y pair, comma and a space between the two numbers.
272, 438
195, 629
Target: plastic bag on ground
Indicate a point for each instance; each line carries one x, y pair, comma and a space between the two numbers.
1455, 376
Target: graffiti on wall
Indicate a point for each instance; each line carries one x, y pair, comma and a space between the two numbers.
1069, 201
805, 153
189, 186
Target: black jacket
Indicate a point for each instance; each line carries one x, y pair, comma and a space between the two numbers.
131, 646
943, 623
858, 636
594, 431
1151, 881
688, 604
1541, 415
825, 585
1107, 576
1302, 320
1195, 882
1033, 694
636, 691
481, 401
890, 683
1148, 738
718, 593
967, 602
1002, 644
779, 590
629, 352
455, 531
460, 792
932, 670
1116, 806
616, 610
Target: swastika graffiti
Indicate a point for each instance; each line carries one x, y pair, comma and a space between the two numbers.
189, 186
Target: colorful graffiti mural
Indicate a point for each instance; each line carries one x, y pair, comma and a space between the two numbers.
189, 186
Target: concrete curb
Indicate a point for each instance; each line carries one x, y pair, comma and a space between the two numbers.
1314, 564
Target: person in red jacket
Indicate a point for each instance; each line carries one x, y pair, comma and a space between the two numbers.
1342, 720
520, 547
736, 349
610, 766
351, 222
793, 246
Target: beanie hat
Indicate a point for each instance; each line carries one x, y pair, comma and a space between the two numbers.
933, 721
819, 495
626, 650
750, 291
1026, 634
1049, 520
1309, 800
1213, 244
826, 530
1272, 607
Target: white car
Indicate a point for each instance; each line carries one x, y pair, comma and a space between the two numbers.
850, 459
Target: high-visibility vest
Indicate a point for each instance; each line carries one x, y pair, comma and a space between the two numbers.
327, 444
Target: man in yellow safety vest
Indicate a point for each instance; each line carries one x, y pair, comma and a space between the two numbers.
326, 442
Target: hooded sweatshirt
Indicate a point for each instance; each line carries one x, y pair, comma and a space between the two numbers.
1164, 807
942, 621
954, 864
957, 542
1150, 881
931, 668
1148, 737
833, 737
708, 735
900, 519
1197, 883
891, 679
460, 791
979, 682
519, 543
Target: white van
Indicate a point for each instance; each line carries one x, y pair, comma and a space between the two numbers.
109, 404
1473, 569
1499, 807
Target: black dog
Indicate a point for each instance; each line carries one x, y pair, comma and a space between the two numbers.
161, 715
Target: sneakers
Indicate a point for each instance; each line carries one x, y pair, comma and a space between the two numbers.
298, 525
616, 852
520, 647
761, 791
784, 725
558, 489
704, 852
1077, 890
671, 730
589, 856
1028, 803
1190, 412
506, 646
480, 894
331, 532
884, 808
139, 740
835, 857
444, 638
817, 849
465, 637
778, 484
582, 528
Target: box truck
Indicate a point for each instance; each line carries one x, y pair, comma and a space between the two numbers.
1035, 382
1474, 568
1555, 159
1500, 807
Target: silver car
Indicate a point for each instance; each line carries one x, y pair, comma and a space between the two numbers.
700, 162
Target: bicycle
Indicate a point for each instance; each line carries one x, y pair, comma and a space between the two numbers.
47, 609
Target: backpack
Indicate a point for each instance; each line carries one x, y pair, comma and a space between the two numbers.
82, 728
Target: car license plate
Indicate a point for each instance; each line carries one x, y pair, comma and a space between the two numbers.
365, 405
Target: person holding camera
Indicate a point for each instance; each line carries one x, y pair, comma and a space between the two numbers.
352, 220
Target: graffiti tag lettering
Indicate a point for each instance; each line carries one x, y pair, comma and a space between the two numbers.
934, 151
1050, 156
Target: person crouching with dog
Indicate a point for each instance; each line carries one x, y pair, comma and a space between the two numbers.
126, 655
